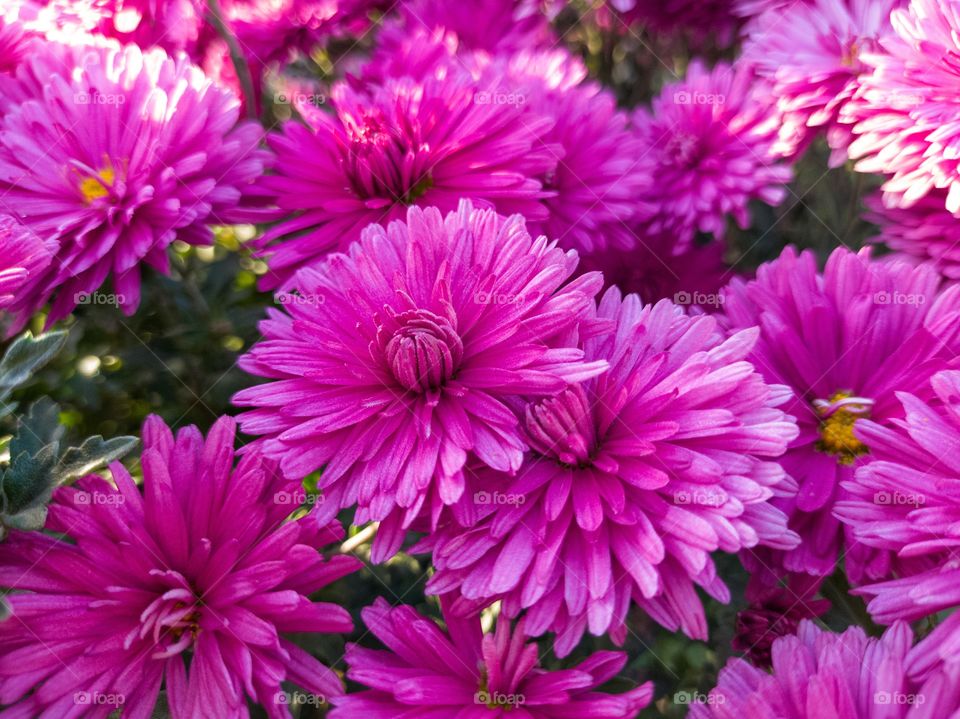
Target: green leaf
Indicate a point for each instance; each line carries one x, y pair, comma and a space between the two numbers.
25, 356
29, 520
28, 480
38, 428
93, 453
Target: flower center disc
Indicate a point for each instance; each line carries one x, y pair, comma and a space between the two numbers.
838, 416
424, 352
562, 428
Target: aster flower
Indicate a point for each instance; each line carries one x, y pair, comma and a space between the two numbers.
633, 479
810, 54
655, 270
905, 501
845, 342
115, 161
776, 612
924, 231
821, 675
708, 144
198, 565
14, 41
907, 106
22, 255
428, 672
404, 143
397, 359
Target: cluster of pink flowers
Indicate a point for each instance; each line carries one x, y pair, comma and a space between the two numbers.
506, 337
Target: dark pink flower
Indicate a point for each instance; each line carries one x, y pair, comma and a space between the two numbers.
189, 583
22, 255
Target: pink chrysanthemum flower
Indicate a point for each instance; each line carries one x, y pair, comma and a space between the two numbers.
200, 565
395, 361
845, 342
22, 255
925, 231
115, 161
908, 104
14, 42
428, 672
905, 500
708, 145
501, 25
810, 54
821, 675
174, 25
633, 479
404, 143
655, 270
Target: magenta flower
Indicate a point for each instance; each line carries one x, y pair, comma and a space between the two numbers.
708, 144
905, 500
14, 43
633, 479
401, 144
821, 675
22, 255
907, 107
810, 54
924, 231
845, 342
199, 565
114, 162
697, 18
395, 361
428, 672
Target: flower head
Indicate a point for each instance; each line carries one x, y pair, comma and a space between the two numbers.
463, 672
905, 501
810, 54
114, 161
22, 255
845, 342
198, 566
821, 675
404, 143
395, 361
708, 144
632, 480
907, 105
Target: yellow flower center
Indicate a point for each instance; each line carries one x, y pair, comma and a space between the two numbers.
98, 185
838, 415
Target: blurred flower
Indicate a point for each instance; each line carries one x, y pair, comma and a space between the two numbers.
845, 342
189, 583
405, 143
395, 361
699, 18
821, 675
462, 672
22, 255
115, 160
776, 612
708, 145
633, 479
905, 500
924, 231
906, 111
810, 53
